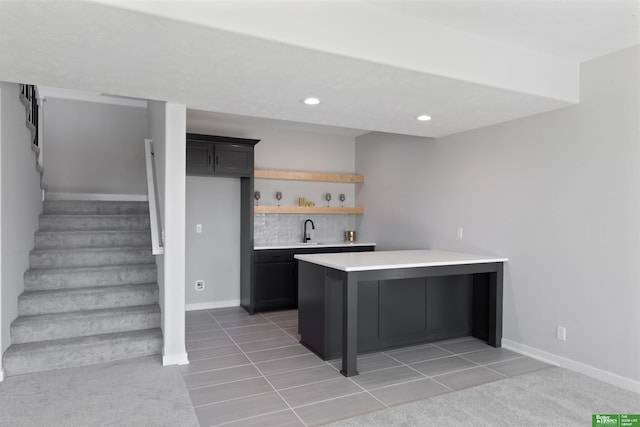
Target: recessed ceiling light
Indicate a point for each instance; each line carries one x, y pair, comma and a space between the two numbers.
423, 118
311, 101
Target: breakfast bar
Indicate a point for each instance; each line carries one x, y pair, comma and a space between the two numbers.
350, 303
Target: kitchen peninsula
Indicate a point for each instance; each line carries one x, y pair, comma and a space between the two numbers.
350, 303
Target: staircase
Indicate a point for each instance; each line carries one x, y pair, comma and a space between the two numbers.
90, 294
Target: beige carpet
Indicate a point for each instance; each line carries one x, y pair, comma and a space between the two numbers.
136, 392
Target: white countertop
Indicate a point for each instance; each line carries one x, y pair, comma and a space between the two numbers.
307, 245
384, 260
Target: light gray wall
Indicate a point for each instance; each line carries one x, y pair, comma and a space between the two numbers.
20, 201
213, 256
94, 148
398, 184
557, 193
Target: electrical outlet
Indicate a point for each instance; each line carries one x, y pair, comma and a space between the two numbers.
459, 234
198, 228
199, 285
561, 333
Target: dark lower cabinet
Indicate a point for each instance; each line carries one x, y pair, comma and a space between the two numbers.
278, 285
276, 276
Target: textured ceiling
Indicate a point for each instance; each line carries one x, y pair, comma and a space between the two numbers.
98, 48
577, 30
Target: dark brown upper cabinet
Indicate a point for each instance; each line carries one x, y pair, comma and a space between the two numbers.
211, 155
233, 160
199, 158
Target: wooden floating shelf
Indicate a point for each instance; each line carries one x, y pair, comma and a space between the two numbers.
307, 176
307, 210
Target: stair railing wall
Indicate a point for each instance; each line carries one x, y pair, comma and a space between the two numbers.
30, 99
32, 102
157, 235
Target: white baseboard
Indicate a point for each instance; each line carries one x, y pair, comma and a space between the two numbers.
175, 359
1, 375
97, 196
210, 305
591, 371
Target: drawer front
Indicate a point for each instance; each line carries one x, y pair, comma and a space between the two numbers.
357, 248
316, 250
274, 255
286, 255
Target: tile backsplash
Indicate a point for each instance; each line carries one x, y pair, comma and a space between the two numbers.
288, 228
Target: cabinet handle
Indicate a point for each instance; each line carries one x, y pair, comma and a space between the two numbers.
209, 158
216, 159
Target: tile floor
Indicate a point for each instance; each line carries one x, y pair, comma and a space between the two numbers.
251, 371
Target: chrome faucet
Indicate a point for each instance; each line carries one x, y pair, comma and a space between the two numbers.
307, 236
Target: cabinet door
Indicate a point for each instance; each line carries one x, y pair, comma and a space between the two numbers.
199, 158
233, 160
276, 286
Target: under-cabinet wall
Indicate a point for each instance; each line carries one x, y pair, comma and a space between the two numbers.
214, 254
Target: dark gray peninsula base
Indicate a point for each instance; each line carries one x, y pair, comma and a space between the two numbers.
364, 302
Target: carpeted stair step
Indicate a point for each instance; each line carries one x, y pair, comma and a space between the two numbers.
69, 278
91, 239
82, 323
89, 257
94, 222
64, 353
32, 303
94, 207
